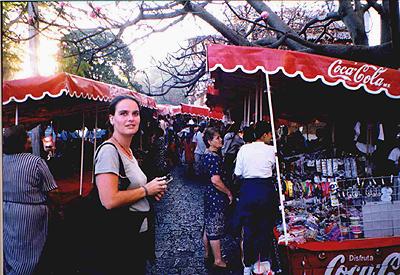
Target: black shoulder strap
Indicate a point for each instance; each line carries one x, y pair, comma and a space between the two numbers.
121, 164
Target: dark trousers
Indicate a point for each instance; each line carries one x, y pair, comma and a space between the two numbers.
255, 214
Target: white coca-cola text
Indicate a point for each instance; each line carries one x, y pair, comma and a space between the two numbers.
389, 266
365, 74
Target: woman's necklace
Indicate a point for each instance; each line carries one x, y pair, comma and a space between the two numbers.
128, 152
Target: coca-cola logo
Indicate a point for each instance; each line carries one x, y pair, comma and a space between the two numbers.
365, 74
389, 266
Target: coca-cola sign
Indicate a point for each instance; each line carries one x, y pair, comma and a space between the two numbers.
364, 74
363, 265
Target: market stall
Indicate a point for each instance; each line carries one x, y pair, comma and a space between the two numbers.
332, 208
65, 102
168, 110
202, 111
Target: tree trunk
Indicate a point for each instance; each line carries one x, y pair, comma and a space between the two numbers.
354, 21
277, 23
228, 33
34, 41
394, 25
385, 23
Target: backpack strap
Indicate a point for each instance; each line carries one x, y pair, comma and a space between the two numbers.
121, 172
230, 140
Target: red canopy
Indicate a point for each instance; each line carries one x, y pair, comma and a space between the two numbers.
217, 113
202, 111
38, 87
62, 97
331, 71
166, 109
195, 110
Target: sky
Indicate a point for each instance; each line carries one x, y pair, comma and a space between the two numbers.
156, 46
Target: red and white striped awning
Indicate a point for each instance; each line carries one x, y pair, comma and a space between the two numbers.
310, 67
203, 111
166, 109
64, 84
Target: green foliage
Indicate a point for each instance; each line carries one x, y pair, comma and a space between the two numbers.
85, 57
11, 50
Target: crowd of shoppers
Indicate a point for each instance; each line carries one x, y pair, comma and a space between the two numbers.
127, 183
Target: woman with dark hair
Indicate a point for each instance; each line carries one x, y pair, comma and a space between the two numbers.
27, 182
118, 245
216, 198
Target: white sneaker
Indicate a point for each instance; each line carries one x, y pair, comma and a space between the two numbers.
266, 265
247, 270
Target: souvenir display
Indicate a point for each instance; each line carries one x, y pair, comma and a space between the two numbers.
334, 209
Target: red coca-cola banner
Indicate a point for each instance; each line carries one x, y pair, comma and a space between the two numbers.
373, 259
331, 71
38, 87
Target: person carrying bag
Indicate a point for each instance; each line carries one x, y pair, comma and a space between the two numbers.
115, 217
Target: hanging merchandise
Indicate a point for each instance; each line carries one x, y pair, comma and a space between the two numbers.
386, 194
333, 187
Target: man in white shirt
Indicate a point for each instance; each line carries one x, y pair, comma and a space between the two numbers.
255, 210
200, 148
394, 157
163, 124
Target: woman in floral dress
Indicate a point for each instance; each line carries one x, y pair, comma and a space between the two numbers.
216, 198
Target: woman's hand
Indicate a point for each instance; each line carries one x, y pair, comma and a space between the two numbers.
111, 197
216, 180
156, 186
158, 196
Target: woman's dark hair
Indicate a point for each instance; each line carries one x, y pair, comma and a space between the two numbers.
14, 140
261, 127
209, 134
113, 106
117, 99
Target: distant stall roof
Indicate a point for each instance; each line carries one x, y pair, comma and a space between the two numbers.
167, 109
201, 111
195, 110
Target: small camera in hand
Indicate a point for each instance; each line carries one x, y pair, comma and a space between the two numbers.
168, 178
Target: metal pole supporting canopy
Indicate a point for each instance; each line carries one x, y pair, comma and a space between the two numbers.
278, 173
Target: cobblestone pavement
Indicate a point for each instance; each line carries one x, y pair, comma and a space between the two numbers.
179, 220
